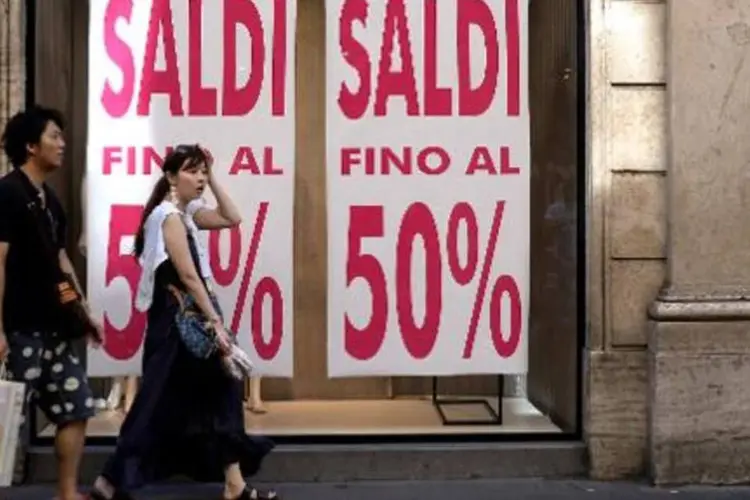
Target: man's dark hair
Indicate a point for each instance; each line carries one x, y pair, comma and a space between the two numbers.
26, 128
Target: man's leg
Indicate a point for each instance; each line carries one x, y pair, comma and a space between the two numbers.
67, 400
69, 442
23, 366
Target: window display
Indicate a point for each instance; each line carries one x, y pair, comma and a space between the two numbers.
408, 259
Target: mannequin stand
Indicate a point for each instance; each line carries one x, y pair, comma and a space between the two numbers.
115, 398
254, 399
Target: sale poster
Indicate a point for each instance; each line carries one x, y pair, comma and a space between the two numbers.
428, 178
221, 74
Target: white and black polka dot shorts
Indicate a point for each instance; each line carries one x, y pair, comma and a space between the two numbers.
54, 376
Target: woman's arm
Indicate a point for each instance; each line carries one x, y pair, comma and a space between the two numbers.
224, 215
175, 239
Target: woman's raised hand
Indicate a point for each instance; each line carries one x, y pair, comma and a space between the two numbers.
209, 157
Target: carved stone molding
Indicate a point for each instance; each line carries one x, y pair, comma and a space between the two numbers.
708, 310
702, 303
12, 62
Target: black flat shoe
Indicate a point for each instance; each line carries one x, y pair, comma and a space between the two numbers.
251, 493
95, 494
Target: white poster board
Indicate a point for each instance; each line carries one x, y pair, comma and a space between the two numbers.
428, 172
163, 73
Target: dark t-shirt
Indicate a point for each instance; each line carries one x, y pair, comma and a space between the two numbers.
30, 300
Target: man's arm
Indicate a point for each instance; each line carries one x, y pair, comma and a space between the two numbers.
4, 246
96, 335
8, 216
67, 267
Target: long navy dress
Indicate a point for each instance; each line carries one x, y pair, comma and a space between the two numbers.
187, 418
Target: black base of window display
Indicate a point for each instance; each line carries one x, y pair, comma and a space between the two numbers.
495, 416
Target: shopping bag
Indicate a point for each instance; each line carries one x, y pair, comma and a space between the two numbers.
11, 410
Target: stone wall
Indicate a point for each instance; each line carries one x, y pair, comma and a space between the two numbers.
12, 62
627, 164
12, 99
699, 340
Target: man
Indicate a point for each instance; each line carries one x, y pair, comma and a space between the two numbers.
36, 352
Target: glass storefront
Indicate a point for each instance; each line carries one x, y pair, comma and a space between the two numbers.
311, 406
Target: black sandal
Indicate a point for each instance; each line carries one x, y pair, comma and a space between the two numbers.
251, 493
95, 494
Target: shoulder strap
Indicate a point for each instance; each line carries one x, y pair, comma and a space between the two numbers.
35, 217
192, 243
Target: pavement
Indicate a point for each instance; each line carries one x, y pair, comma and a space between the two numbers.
433, 490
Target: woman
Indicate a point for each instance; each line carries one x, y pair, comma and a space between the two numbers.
187, 418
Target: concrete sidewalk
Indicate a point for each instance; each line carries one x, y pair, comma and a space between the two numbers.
431, 490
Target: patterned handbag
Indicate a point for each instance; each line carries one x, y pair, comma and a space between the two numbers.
196, 332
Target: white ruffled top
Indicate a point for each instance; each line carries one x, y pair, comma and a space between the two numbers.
155, 250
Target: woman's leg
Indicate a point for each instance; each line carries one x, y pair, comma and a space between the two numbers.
255, 403
234, 483
235, 486
131, 388
103, 490
115, 394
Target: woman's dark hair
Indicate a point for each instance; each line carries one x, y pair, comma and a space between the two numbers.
26, 128
173, 163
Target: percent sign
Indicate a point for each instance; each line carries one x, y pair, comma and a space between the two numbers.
123, 344
368, 221
266, 287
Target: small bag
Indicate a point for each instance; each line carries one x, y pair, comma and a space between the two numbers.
75, 322
196, 332
12, 396
198, 335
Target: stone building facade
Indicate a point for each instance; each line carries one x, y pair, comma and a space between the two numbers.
627, 213
668, 338
12, 62
668, 345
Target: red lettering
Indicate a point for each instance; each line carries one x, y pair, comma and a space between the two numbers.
110, 156
350, 157
115, 103
151, 158
166, 81
437, 101
481, 161
394, 83
245, 160
431, 160
240, 101
354, 104
513, 44
473, 102
202, 101
137, 160
428, 156
505, 166
278, 77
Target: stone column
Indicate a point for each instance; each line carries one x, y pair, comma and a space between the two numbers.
699, 343
12, 99
12, 62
